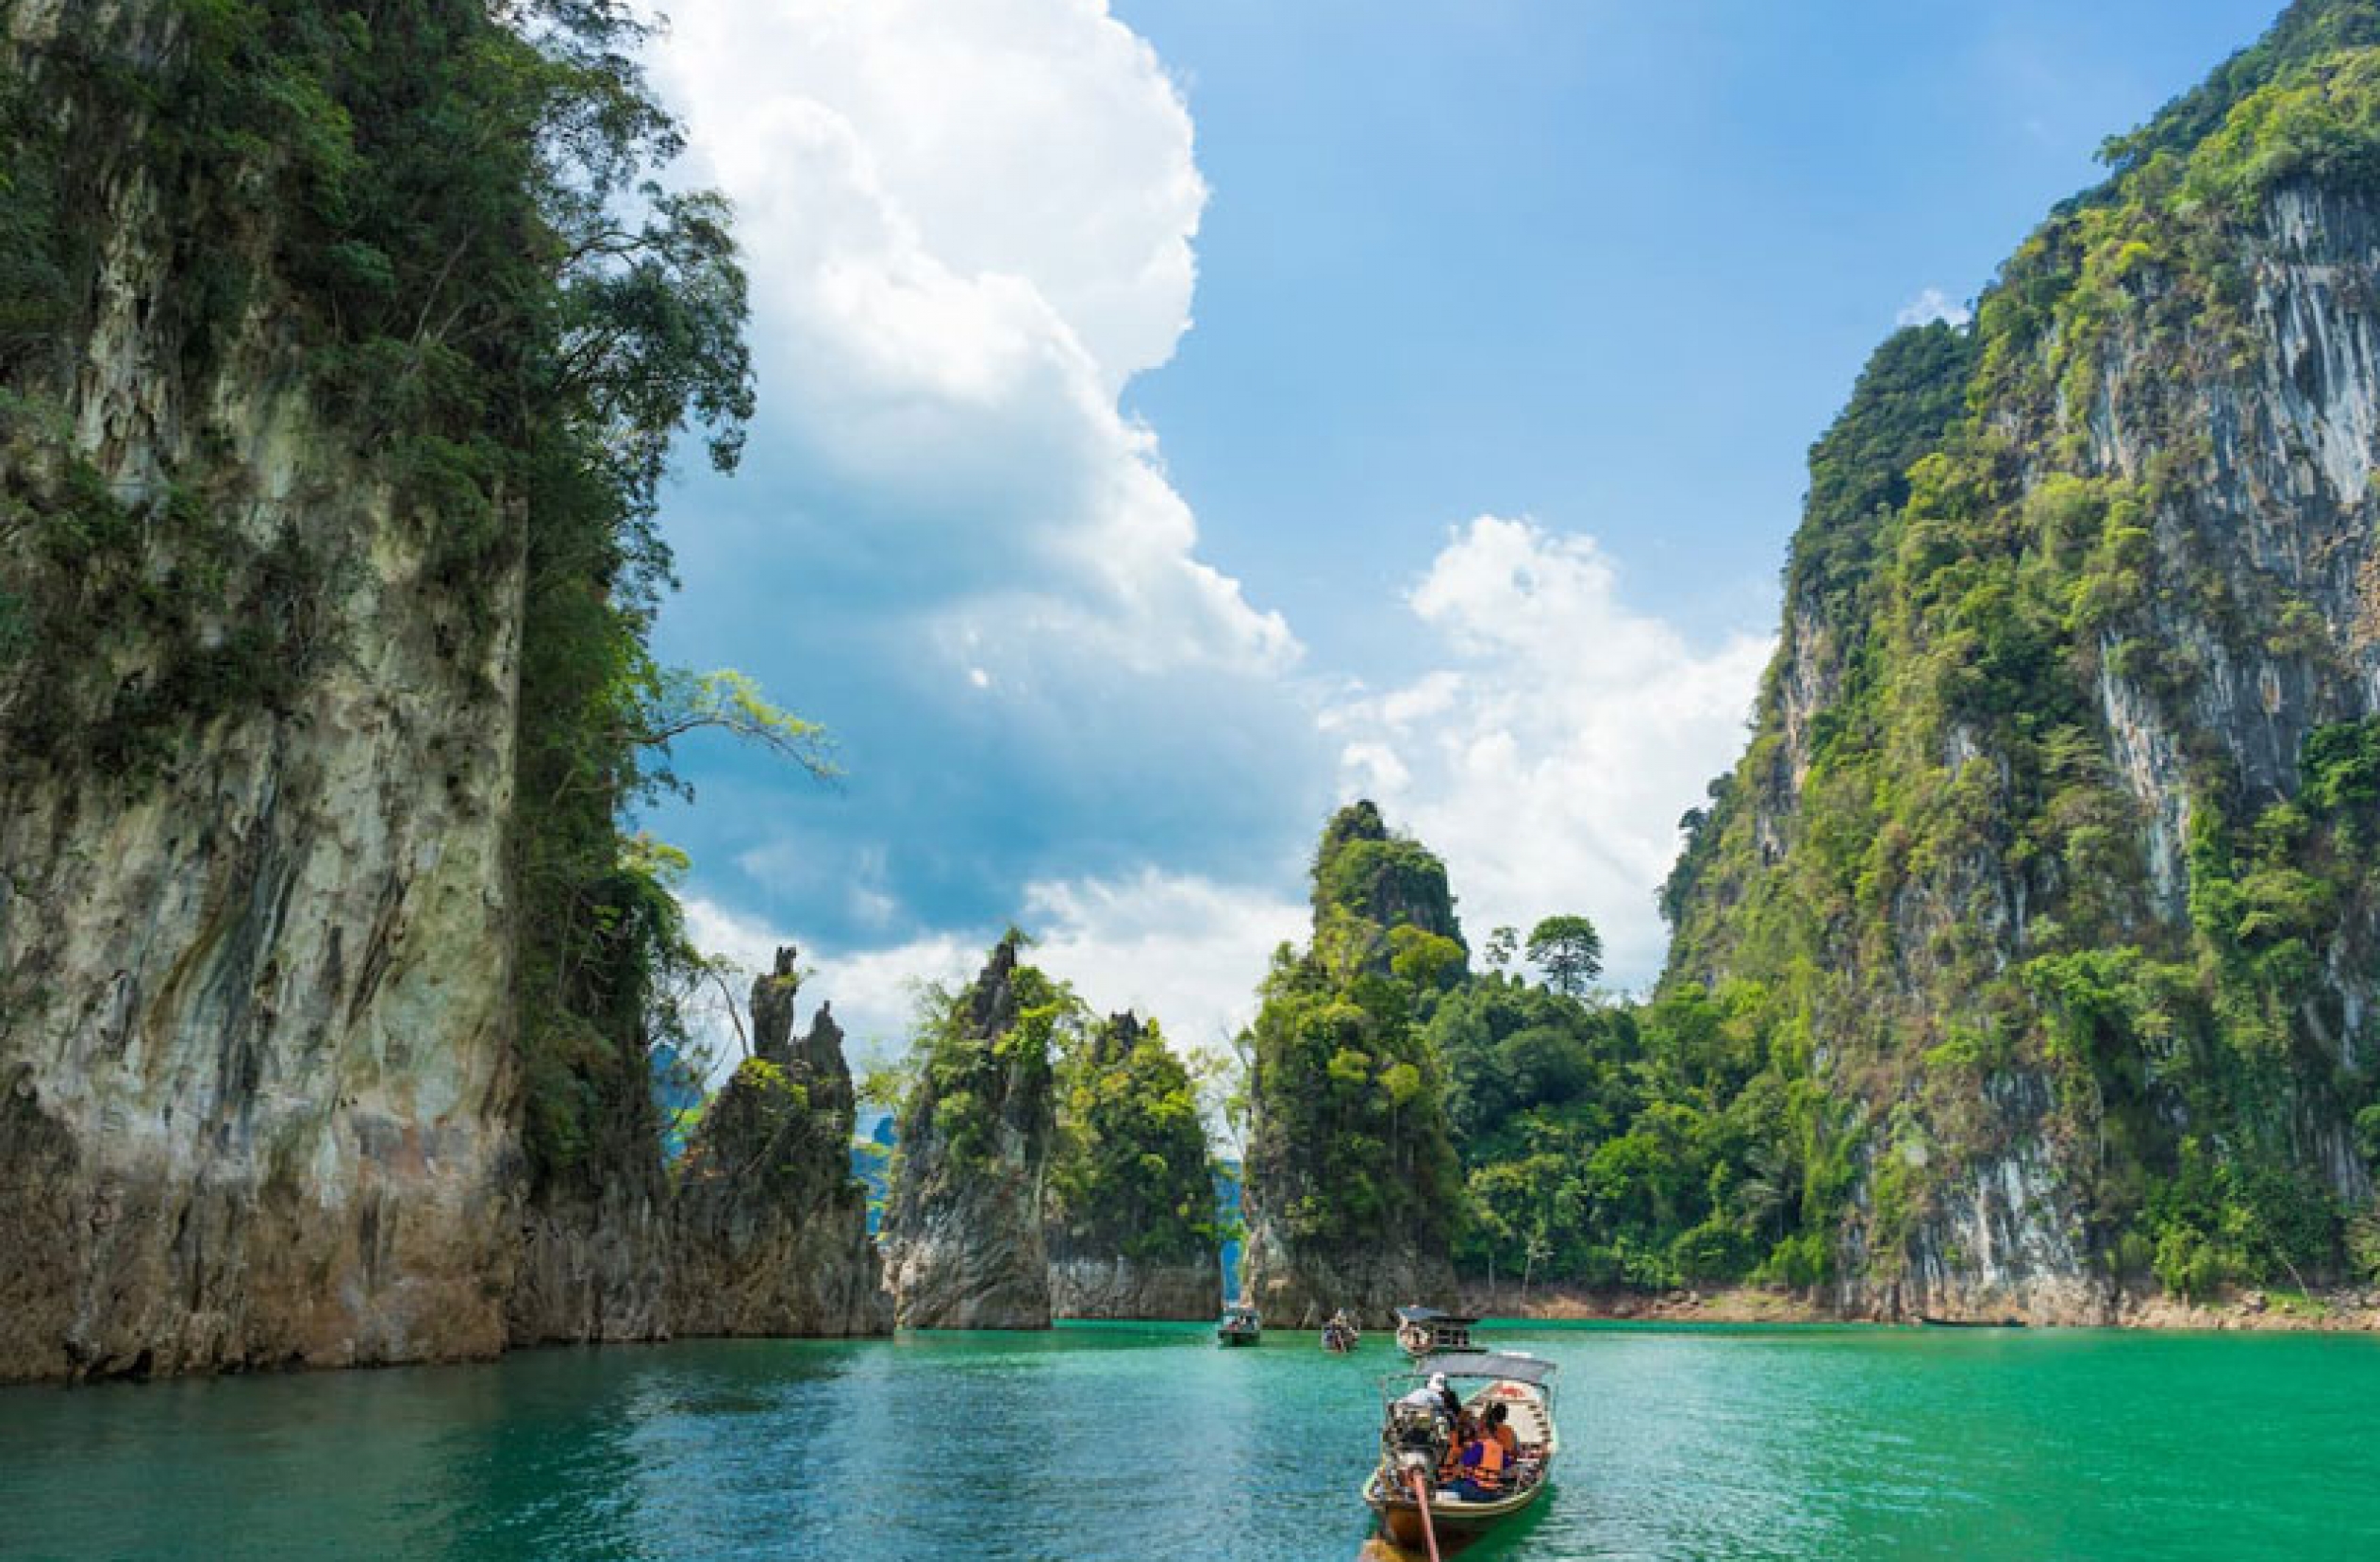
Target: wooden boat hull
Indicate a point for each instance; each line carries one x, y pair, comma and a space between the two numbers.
1458, 1522
1232, 1336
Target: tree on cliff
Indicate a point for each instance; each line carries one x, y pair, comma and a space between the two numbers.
1502, 944
1568, 951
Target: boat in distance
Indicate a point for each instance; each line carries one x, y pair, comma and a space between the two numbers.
1239, 1327
1423, 1331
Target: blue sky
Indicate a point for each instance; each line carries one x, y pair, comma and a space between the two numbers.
1182, 415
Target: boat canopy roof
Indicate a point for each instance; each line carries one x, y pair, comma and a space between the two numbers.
1431, 1315
1487, 1364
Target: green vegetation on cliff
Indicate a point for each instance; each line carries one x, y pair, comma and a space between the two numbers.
1348, 1145
977, 1088
1363, 871
2025, 576
1012, 1070
448, 211
1131, 1173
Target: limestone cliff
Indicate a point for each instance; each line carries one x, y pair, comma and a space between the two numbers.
594, 1240
326, 973
1351, 1179
771, 1228
962, 1232
254, 1069
1130, 1204
2050, 862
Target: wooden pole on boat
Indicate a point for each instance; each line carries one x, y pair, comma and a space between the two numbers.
1429, 1535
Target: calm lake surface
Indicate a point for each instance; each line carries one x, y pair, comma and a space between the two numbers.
1142, 1444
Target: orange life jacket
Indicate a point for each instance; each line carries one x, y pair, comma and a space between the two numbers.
1507, 1438
1488, 1469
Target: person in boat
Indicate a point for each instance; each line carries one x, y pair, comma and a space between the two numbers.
1466, 1432
1484, 1468
1500, 1428
1447, 1398
1430, 1397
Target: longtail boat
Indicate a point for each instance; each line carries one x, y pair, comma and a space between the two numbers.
1239, 1327
1423, 1331
1406, 1490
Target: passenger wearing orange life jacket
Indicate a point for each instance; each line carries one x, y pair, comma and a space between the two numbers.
1465, 1431
1484, 1463
1499, 1428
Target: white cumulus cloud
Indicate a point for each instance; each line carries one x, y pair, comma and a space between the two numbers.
1178, 947
969, 223
1930, 306
1550, 761
967, 226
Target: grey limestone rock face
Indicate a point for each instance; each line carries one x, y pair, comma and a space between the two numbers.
771, 1227
258, 1103
963, 1239
1118, 1287
2256, 441
1297, 1286
255, 1086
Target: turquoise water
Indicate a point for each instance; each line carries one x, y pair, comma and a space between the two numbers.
1150, 1444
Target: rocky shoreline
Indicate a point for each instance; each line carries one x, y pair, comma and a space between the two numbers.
2331, 1310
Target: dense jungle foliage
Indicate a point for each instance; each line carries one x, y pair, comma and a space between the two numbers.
1535, 1130
448, 210
1131, 1173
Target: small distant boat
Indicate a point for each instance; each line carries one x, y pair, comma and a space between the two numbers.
1424, 1331
1930, 1321
1417, 1429
1239, 1327
1340, 1336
